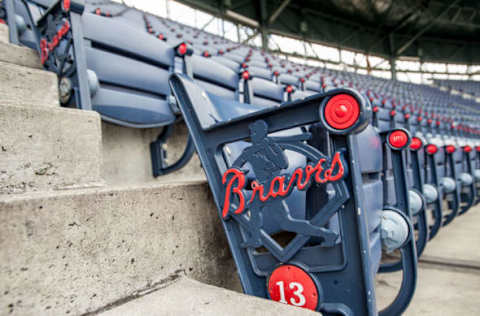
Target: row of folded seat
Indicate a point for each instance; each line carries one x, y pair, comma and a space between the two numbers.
467, 86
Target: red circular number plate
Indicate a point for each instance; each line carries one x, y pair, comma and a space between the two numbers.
398, 139
291, 285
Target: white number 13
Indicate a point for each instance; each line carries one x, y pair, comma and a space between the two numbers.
298, 290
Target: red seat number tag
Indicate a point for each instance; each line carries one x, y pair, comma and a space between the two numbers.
291, 285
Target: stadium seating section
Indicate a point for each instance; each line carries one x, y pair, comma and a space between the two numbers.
465, 86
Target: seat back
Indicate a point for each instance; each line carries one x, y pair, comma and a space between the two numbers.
116, 69
271, 240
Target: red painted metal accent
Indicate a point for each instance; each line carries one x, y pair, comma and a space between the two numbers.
245, 75
467, 148
43, 51
66, 5
46, 47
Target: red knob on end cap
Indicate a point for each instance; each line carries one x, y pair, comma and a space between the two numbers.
245, 75
467, 149
182, 49
431, 149
450, 149
342, 111
416, 143
398, 139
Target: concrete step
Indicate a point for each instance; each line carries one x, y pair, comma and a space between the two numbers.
126, 154
46, 148
77, 251
15, 54
25, 86
184, 296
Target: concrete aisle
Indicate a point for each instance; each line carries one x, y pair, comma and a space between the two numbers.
457, 243
449, 272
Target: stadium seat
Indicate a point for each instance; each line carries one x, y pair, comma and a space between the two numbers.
115, 69
260, 238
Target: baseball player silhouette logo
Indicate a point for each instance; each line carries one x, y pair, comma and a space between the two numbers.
265, 161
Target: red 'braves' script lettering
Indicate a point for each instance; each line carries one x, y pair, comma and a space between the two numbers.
45, 47
280, 185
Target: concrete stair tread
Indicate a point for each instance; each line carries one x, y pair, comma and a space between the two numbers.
48, 148
80, 250
15, 54
104, 189
184, 296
